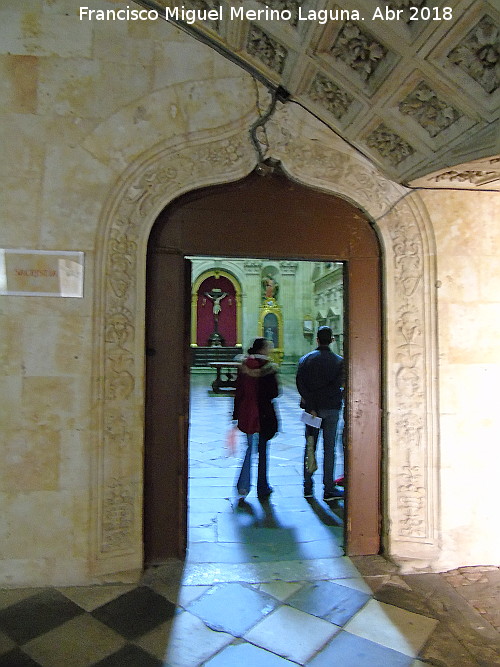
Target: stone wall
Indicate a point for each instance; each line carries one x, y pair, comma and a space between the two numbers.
86, 109
468, 242
69, 89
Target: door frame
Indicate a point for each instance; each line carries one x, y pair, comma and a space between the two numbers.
156, 177
341, 233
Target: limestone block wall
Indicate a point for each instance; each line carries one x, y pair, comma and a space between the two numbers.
467, 232
67, 89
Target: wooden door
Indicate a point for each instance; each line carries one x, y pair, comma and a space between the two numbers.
167, 405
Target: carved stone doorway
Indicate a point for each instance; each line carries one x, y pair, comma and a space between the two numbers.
269, 217
411, 504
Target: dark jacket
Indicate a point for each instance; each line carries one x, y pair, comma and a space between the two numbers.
320, 377
256, 387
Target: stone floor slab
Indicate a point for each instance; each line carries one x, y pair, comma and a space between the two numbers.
352, 651
247, 655
191, 643
232, 608
396, 628
292, 634
79, 642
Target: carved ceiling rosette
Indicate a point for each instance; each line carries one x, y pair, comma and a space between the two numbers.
479, 54
430, 112
359, 50
266, 49
330, 96
389, 145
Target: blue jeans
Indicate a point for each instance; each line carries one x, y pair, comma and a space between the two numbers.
329, 422
243, 484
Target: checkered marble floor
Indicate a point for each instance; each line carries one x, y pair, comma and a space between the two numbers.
264, 584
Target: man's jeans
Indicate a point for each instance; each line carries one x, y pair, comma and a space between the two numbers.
244, 482
329, 422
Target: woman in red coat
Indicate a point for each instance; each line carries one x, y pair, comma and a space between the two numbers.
256, 387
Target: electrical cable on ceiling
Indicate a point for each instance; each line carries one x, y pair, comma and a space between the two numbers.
278, 92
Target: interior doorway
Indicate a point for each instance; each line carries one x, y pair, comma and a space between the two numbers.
284, 301
260, 217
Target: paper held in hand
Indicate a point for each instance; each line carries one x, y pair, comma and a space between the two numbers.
310, 420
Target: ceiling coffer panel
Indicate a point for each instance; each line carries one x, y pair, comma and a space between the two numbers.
412, 84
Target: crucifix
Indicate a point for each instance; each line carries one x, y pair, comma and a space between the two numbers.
216, 295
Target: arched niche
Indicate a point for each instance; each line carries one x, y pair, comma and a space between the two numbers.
235, 294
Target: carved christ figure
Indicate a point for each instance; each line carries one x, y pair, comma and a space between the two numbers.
216, 297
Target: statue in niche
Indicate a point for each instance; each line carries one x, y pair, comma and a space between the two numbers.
270, 287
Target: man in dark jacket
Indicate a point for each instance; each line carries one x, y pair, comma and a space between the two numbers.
320, 378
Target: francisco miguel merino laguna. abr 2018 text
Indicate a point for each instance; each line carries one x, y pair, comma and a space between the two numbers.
239, 13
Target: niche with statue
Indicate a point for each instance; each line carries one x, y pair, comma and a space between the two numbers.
270, 312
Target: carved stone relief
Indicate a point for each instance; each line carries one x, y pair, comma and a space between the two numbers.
330, 96
389, 144
455, 46
267, 50
119, 336
118, 515
359, 50
119, 525
252, 267
479, 54
203, 7
477, 175
432, 113
473, 176
409, 360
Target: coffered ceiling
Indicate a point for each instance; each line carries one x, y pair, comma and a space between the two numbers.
414, 85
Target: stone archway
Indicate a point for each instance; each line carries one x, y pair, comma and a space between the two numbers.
409, 382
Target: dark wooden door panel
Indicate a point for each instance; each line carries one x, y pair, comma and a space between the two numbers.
166, 418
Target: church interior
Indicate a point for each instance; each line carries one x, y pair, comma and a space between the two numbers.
173, 189
283, 301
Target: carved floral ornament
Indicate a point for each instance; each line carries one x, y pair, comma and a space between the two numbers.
132, 211
359, 50
432, 113
330, 96
266, 49
479, 174
389, 144
479, 54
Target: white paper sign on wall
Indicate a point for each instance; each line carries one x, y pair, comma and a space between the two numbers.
41, 273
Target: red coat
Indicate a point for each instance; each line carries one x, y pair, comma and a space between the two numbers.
256, 386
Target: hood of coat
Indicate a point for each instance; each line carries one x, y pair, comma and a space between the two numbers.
257, 365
